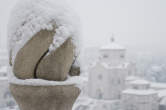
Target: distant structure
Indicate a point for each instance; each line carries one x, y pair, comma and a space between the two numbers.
112, 85
107, 76
106, 82
3, 57
3, 52
140, 100
139, 84
6, 100
139, 96
112, 54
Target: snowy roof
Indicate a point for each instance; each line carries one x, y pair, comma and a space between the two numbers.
140, 82
31, 16
139, 92
112, 46
158, 85
132, 78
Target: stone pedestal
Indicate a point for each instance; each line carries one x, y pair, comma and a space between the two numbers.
59, 97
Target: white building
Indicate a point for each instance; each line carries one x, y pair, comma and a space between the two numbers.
112, 54
140, 100
158, 86
107, 76
139, 84
106, 82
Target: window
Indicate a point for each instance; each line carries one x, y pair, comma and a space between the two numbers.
100, 77
105, 56
122, 56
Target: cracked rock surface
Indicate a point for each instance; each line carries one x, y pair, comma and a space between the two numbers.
32, 60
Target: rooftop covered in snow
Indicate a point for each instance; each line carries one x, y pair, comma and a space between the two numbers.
139, 92
140, 82
158, 86
132, 78
112, 46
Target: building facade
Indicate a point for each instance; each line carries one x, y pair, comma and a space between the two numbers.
140, 100
107, 76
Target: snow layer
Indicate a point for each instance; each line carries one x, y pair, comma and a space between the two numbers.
112, 46
30, 16
140, 82
158, 86
139, 92
74, 80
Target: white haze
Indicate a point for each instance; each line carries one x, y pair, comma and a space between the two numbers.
140, 25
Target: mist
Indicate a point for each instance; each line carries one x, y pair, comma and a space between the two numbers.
139, 25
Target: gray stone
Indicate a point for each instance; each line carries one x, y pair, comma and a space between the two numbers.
29, 55
57, 64
45, 97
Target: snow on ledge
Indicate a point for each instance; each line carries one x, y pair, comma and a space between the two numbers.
139, 92
74, 80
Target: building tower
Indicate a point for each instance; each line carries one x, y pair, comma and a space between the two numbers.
139, 96
112, 54
107, 76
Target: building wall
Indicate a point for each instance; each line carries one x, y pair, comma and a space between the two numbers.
140, 102
106, 83
113, 57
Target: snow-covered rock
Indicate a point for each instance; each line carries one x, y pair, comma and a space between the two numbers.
30, 16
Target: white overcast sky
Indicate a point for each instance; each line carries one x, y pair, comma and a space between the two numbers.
137, 24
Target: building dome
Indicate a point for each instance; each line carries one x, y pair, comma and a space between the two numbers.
112, 46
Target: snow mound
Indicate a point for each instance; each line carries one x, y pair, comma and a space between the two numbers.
30, 16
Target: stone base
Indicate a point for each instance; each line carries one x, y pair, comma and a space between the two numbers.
59, 97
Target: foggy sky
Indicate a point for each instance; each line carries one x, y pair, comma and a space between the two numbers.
139, 25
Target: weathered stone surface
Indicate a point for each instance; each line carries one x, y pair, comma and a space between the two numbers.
57, 64
44, 97
28, 56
